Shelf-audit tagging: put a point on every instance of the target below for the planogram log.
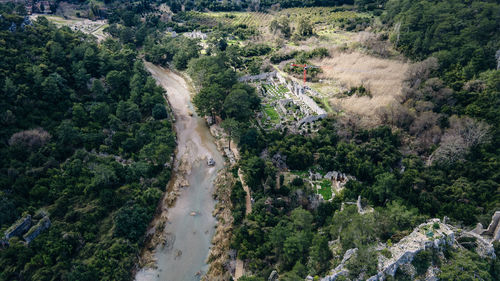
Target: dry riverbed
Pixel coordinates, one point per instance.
(181, 233)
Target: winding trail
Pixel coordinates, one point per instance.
(190, 225)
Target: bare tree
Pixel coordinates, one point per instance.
(425, 121)
(34, 138)
(475, 86)
(426, 131)
(347, 125)
(420, 71)
(396, 114)
(463, 134)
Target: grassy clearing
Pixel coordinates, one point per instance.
(272, 114)
(302, 174)
(326, 189)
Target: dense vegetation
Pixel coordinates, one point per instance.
(84, 136)
(464, 47)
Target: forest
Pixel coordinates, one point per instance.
(87, 138)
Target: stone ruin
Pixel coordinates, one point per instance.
(42, 225)
(196, 35)
(279, 161)
(24, 227)
(338, 180)
(493, 229)
(433, 234)
(361, 210)
(273, 276)
(19, 227)
(296, 95)
(258, 77)
(404, 251)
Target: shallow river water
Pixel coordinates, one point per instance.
(190, 225)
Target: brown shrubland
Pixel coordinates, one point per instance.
(383, 78)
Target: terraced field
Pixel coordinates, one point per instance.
(251, 19)
(322, 15)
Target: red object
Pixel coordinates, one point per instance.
(305, 70)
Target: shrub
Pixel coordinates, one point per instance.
(297, 181)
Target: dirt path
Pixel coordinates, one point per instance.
(190, 227)
(248, 199)
(239, 269)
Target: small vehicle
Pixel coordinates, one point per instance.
(211, 161)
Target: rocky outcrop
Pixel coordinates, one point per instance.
(339, 270)
(432, 234)
(20, 227)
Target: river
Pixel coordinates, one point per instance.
(190, 225)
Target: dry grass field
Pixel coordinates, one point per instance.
(383, 78)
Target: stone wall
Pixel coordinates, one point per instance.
(311, 118)
(20, 227)
(282, 104)
(258, 77)
(42, 225)
(493, 229)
